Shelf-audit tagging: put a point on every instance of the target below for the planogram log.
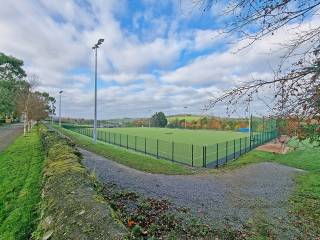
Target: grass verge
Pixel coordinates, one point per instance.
(128, 158)
(305, 201)
(21, 167)
(71, 207)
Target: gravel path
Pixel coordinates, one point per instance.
(8, 133)
(234, 196)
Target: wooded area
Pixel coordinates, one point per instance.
(19, 101)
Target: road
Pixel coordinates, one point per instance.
(8, 133)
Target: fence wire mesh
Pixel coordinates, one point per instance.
(191, 154)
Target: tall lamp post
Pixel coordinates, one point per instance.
(185, 118)
(60, 107)
(95, 48)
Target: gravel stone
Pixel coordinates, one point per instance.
(234, 197)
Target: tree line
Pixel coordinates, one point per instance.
(19, 101)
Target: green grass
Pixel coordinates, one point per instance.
(128, 158)
(21, 167)
(180, 145)
(181, 149)
(305, 201)
(197, 137)
(72, 206)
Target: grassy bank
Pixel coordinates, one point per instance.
(128, 158)
(72, 207)
(20, 183)
(305, 202)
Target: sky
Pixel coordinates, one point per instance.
(156, 55)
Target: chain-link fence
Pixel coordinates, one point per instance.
(190, 154)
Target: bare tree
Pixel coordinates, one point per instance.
(296, 82)
(32, 105)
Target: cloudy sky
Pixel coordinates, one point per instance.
(157, 55)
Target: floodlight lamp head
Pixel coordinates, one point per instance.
(60, 92)
(100, 41)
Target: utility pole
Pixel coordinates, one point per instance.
(95, 48)
(60, 107)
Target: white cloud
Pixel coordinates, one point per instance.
(207, 38)
(137, 66)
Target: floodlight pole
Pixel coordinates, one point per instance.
(60, 107)
(95, 48)
(185, 119)
(95, 99)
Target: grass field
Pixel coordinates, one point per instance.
(128, 158)
(305, 202)
(180, 145)
(20, 183)
(197, 137)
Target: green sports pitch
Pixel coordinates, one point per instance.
(181, 145)
(192, 147)
(196, 137)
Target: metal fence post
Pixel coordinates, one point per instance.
(192, 155)
(127, 141)
(157, 148)
(135, 143)
(245, 144)
(203, 156)
(172, 151)
(120, 140)
(234, 149)
(226, 151)
(145, 145)
(240, 146)
(217, 165)
(114, 138)
(105, 136)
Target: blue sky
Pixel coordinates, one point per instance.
(157, 55)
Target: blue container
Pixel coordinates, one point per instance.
(244, 129)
